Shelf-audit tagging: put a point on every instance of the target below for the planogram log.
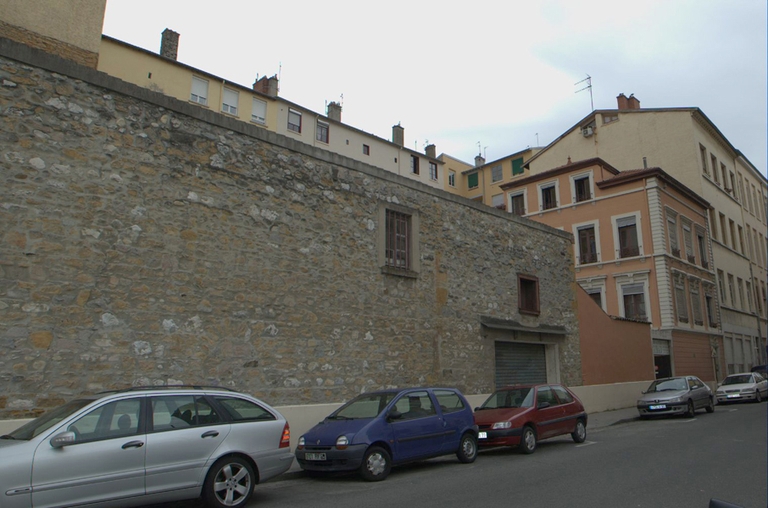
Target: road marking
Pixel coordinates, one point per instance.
(585, 443)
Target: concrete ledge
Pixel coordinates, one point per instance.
(599, 398)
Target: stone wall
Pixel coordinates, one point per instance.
(148, 241)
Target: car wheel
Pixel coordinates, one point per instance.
(691, 410)
(467, 452)
(758, 397)
(579, 434)
(376, 464)
(711, 406)
(528, 440)
(229, 483)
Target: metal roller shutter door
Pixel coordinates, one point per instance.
(520, 364)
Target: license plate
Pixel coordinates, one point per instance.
(482, 435)
(314, 456)
(659, 406)
(733, 396)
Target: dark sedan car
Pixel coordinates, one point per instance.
(523, 415)
(377, 430)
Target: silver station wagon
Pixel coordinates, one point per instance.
(145, 445)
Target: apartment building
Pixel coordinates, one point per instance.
(693, 151)
(261, 105)
(642, 252)
(483, 182)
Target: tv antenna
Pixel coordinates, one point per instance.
(588, 79)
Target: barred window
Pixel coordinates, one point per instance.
(398, 240)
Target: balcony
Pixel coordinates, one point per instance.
(628, 252)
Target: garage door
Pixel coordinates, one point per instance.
(520, 364)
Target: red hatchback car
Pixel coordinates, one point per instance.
(523, 415)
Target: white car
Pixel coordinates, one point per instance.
(145, 445)
(745, 386)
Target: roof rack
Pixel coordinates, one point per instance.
(170, 387)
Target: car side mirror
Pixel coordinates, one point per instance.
(476, 409)
(394, 415)
(543, 405)
(63, 439)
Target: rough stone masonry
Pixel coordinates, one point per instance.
(147, 241)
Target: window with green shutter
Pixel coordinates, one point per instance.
(472, 181)
(517, 167)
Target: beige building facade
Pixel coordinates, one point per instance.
(642, 252)
(483, 182)
(693, 151)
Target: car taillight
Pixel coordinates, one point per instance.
(285, 441)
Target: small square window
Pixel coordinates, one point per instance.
(366, 150)
(294, 120)
(528, 294)
(322, 131)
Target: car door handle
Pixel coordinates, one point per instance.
(210, 433)
(133, 444)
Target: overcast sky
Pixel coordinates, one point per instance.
(491, 76)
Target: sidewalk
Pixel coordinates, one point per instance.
(594, 422)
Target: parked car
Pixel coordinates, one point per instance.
(681, 395)
(760, 369)
(745, 386)
(375, 431)
(523, 415)
(145, 445)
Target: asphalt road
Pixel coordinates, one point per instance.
(677, 462)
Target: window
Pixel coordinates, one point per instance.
(548, 196)
(116, 419)
(741, 240)
(199, 91)
(398, 240)
(713, 223)
(545, 394)
(711, 312)
(449, 401)
(627, 230)
(704, 166)
(731, 290)
(740, 287)
(743, 199)
(497, 201)
(595, 288)
(496, 173)
(528, 294)
(674, 246)
(414, 165)
(582, 189)
(723, 230)
(472, 181)
(610, 117)
(432, 171)
(322, 131)
(517, 167)
(414, 405)
(688, 240)
(714, 169)
(721, 285)
(749, 296)
(681, 302)
(242, 410)
(734, 189)
(229, 101)
(452, 178)
(587, 245)
(366, 150)
(181, 411)
(517, 204)
(732, 229)
(562, 394)
(259, 111)
(633, 298)
(294, 120)
(696, 302)
(597, 297)
(724, 172)
(702, 243)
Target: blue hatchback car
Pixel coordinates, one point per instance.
(377, 430)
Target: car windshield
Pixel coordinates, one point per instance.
(46, 421)
(736, 380)
(363, 406)
(667, 385)
(509, 398)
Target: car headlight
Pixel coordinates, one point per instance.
(748, 390)
(676, 400)
(502, 425)
(301, 443)
(342, 442)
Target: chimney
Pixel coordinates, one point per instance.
(632, 102)
(622, 100)
(169, 45)
(398, 135)
(479, 160)
(334, 111)
(267, 86)
(431, 151)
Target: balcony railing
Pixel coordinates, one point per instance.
(628, 252)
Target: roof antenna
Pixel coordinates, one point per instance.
(588, 79)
